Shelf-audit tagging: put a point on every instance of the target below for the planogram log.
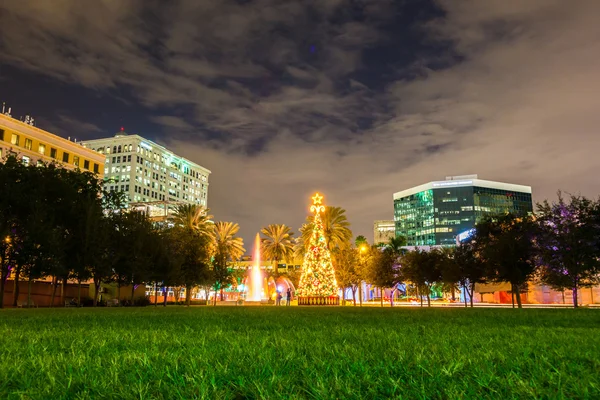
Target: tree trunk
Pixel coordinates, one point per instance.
(465, 295)
(392, 296)
(354, 288)
(54, 283)
(563, 295)
(472, 294)
(419, 295)
(29, 284)
(165, 296)
(62, 290)
(2, 281)
(188, 295)
(97, 289)
(16, 286)
(429, 296)
(518, 294)
(575, 302)
(512, 295)
(381, 296)
(155, 295)
(215, 299)
(119, 293)
(221, 293)
(360, 294)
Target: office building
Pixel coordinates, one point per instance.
(437, 212)
(34, 145)
(383, 231)
(152, 177)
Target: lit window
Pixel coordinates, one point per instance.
(76, 161)
(14, 139)
(28, 144)
(42, 149)
(26, 160)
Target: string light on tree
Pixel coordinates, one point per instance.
(318, 275)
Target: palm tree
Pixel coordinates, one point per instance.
(278, 244)
(226, 247)
(336, 227)
(194, 218)
(395, 245)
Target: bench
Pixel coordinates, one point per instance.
(112, 302)
(23, 304)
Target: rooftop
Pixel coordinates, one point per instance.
(462, 181)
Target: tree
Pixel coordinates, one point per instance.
(226, 247)
(360, 241)
(336, 229)
(383, 270)
(194, 218)
(347, 271)
(506, 245)
(568, 243)
(278, 243)
(424, 269)
(318, 275)
(462, 265)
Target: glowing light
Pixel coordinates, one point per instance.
(317, 206)
(318, 275)
(255, 277)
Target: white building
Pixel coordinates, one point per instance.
(150, 175)
(383, 231)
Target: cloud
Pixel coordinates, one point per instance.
(276, 97)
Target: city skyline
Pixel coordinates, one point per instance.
(356, 100)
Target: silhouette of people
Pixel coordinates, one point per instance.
(288, 297)
(279, 297)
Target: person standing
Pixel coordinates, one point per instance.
(279, 296)
(288, 297)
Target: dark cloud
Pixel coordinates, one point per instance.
(278, 99)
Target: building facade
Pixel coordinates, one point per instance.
(383, 231)
(34, 145)
(437, 212)
(151, 176)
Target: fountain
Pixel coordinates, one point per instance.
(255, 276)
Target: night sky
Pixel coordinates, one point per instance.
(356, 99)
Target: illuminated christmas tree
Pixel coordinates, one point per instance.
(318, 275)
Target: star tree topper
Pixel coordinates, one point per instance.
(317, 206)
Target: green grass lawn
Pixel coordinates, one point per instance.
(318, 353)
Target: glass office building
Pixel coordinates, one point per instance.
(436, 212)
